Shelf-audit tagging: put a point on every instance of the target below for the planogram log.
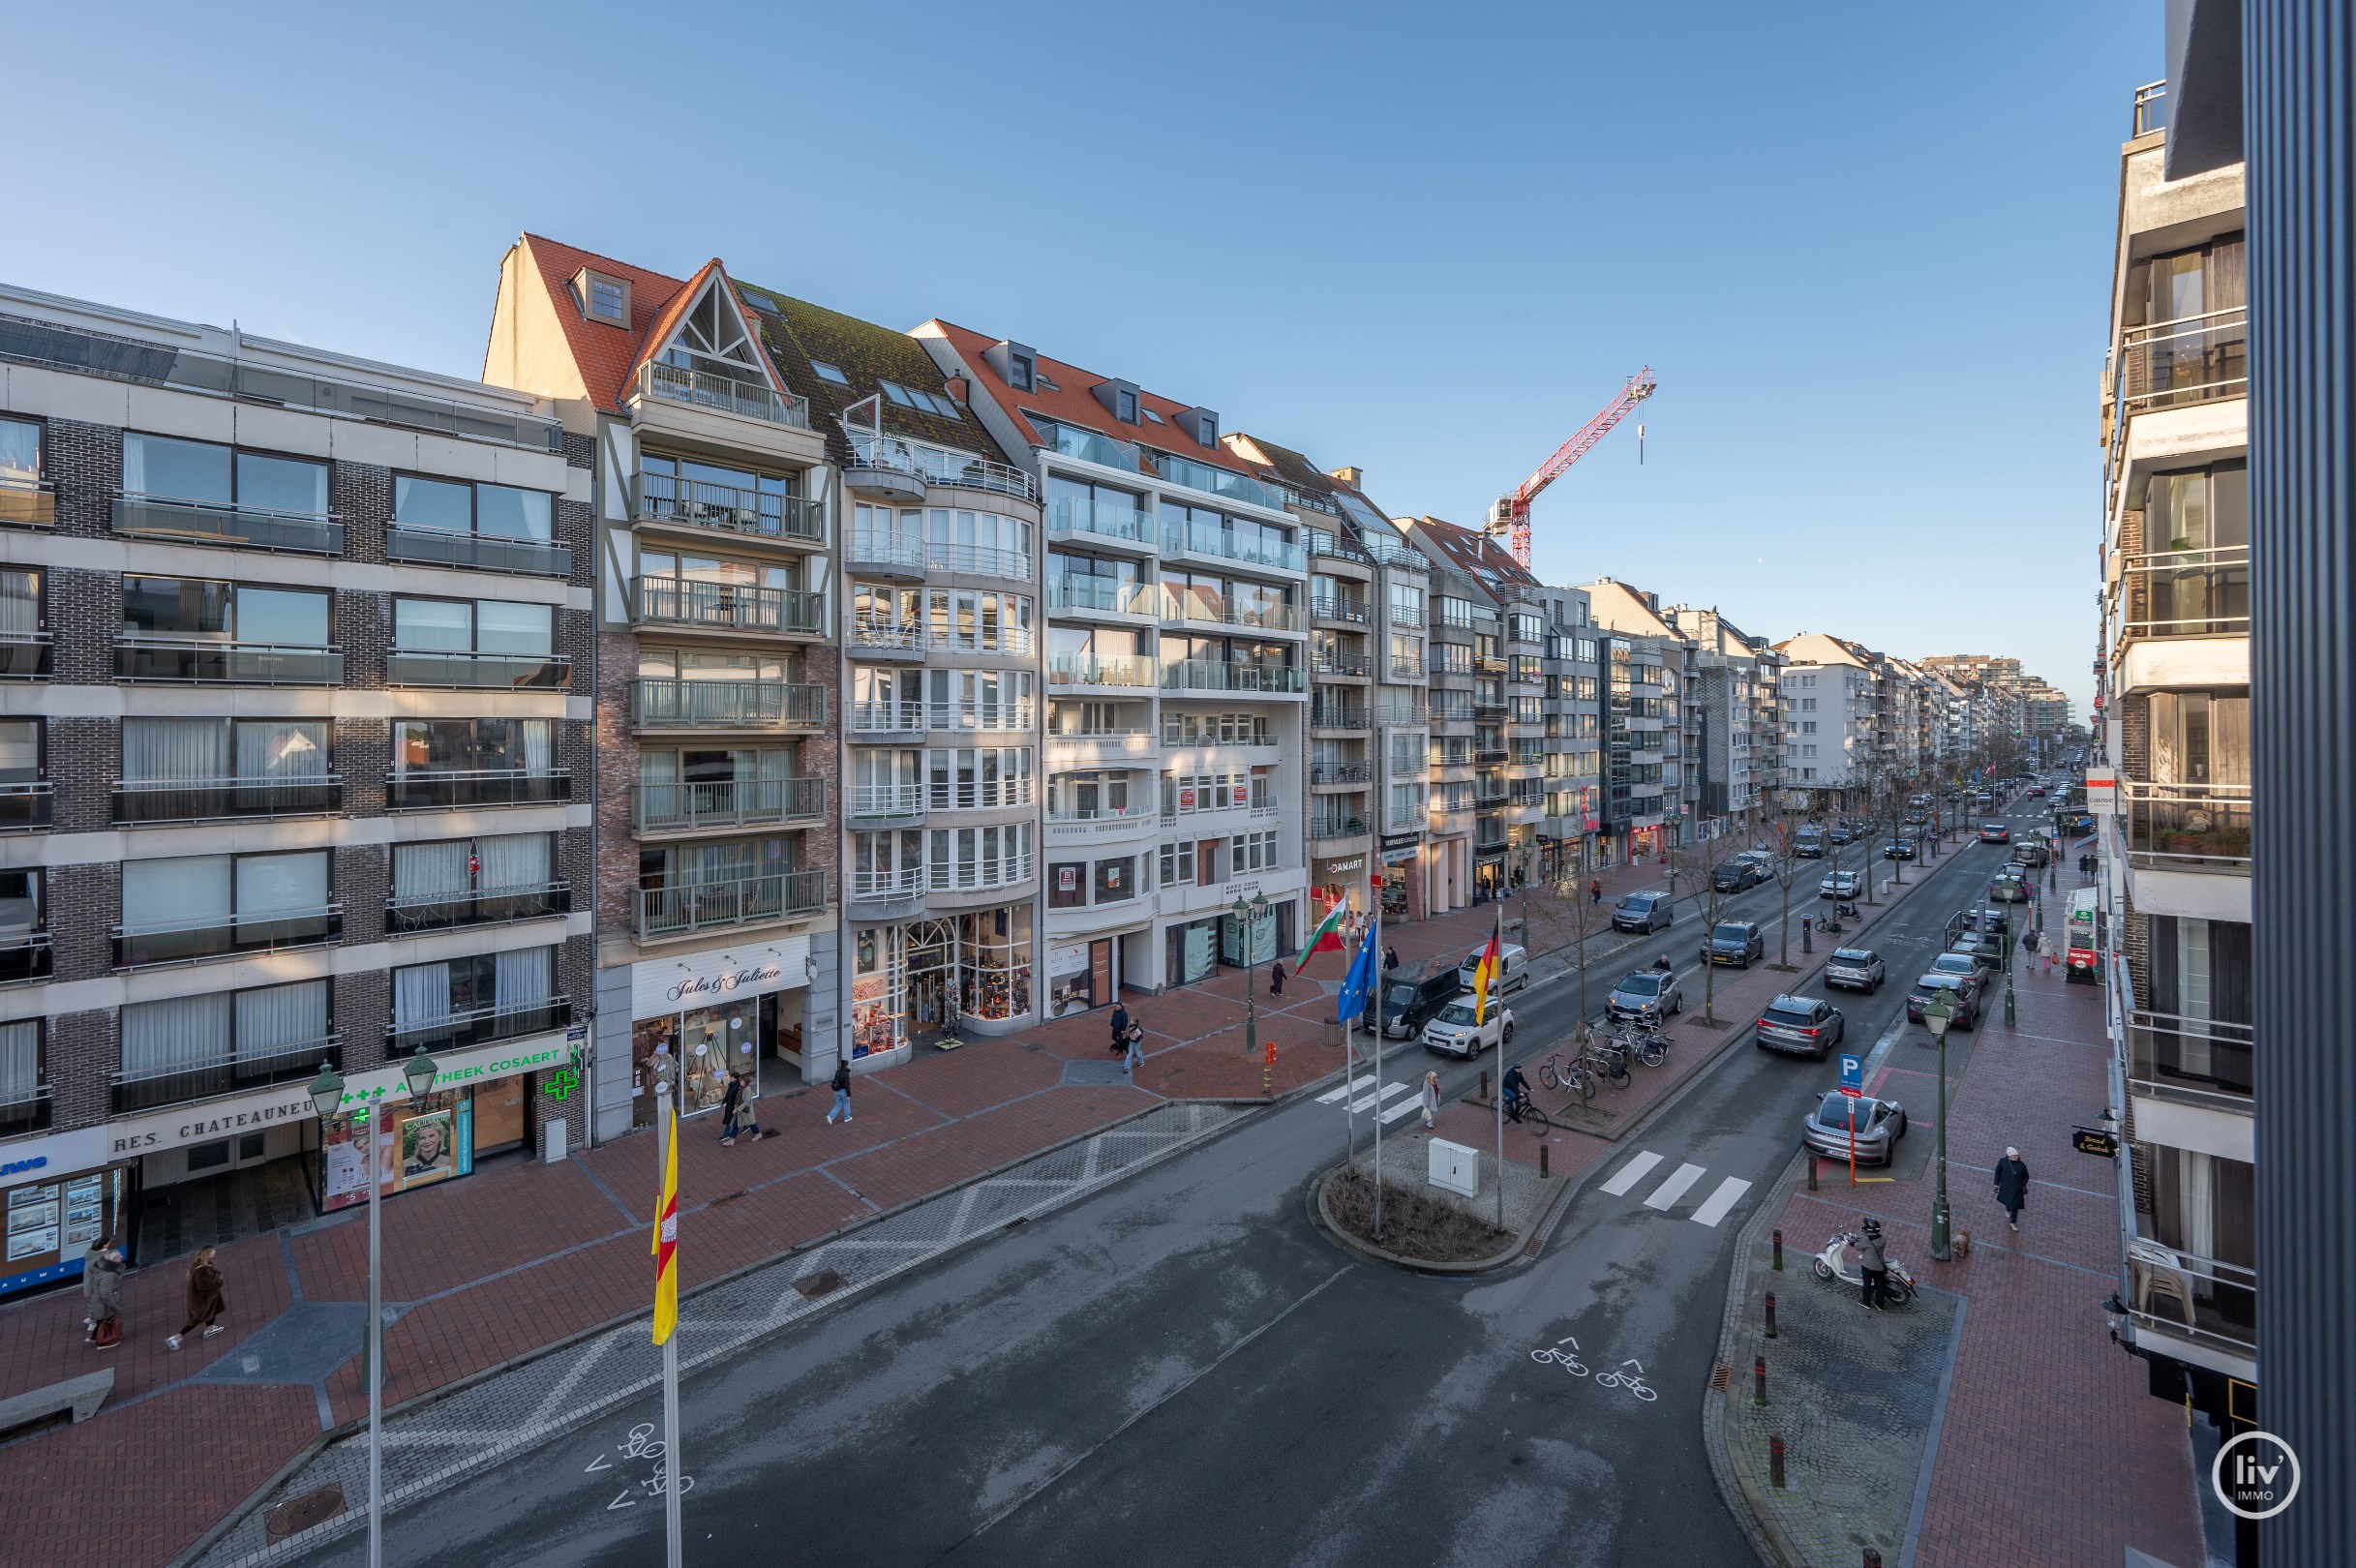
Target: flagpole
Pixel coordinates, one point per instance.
(1500, 940)
(1378, 1122)
(671, 1463)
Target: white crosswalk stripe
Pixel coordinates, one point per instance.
(1405, 1107)
(1673, 1188)
(1349, 1088)
(1386, 1092)
(1631, 1173)
(1715, 1206)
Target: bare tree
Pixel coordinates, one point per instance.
(1699, 859)
(1784, 844)
(1578, 918)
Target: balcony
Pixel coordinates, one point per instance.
(28, 503)
(2186, 827)
(1076, 442)
(205, 523)
(2182, 1295)
(1065, 520)
(718, 906)
(723, 393)
(2195, 1061)
(214, 799)
(149, 1091)
(767, 516)
(476, 552)
(1451, 820)
(1353, 611)
(874, 636)
(1326, 545)
(1207, 609)
(1093, 670)
(1220, 674)
(1390, 551)
(2191, 359)
(2151, 109)
(1339, 772)
(1224, 544)
(667, 702)
(873, 553)
(887, 886)
(961, 469)
(2183, 620)
(729, 606)
(1225, 483)
(1405, 712)
(407, 917)
(1105, 596)
(1406, 670)
(175, 940)
(1324, 716)
(191, 660)
(978, 560)
(26, 805)
(478, 672)
(886, 801)
(24, 1110)
(705, 805)
(1082, 826)
(1338, 826)
(24, 956)
(905, 716)
(430, 790)
(1353, 666)
(478, 1026)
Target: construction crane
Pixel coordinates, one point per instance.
(1510, 516)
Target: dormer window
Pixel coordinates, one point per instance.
(1206, 430)
(603, 298)
(1019, 372)
(1125, 407)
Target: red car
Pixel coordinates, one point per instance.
(1995, 833)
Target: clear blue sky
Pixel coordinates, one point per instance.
(1865, 246)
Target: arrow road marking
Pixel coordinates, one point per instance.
(601, 1463)
(1673, 1188)
(1571, 1340)
(1631, 1173)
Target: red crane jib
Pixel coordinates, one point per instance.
(1638, 388)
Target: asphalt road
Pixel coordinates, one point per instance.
(1181, 1369)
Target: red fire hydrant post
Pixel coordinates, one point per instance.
(1780, 1252)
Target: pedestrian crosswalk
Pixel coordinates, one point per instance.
(1398, 1100)
(1675, 1186)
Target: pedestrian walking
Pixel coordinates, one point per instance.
(739, 1117)
(1120, 1026)
(1276, 977)
(2011, 1185)
(1872, 1266)
(101, 1295)
(1134, 1044)
(1595, 890)
(729, 1104)
(842, 1090)
(204, 1300)
(1431, 1100)
(1390, 958)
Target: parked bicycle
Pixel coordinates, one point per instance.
(1648, 1046)
(1608, 1061)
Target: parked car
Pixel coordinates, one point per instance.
(1841, 1123)
(1916, 819)
(2037, 791)
(1412, 998)
(1839, 884)
(1842, 832)
(2009, 886)
(1995, 833)
(1734, 942)
(1513, 968)
(1961, 961)
(2032, 854)
(1643, 913)
(1454, 1033)
(1855, 969)
(1733, 876)
(1647, 996)
(1808, 844)
(1899, 848)
(1988, 945)
(1807, 1025)
(1962, 998)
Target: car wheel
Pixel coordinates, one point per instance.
(1509, 1031)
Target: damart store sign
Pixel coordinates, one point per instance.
(702, 980)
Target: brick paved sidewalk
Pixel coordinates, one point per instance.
(2050, 1451)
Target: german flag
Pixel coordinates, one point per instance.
(1485, 973)
(666, 1238)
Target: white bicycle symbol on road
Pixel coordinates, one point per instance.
(1568, 1360)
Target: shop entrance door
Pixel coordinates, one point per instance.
(931, 948)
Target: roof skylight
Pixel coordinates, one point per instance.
(827, 373)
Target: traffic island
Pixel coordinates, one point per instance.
(1431, 1229)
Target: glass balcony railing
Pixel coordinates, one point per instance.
(408, 916)
(1099, 670)
(477, 672)
(2185, 593)
(1211, 609)
(28, 503)
(1211, 480)
(147, 1090)
(196, 660)
(665, 702)
(735, 607)
(677, 910)
(212, 799)
(25, 955)
(1224, 544)
(27, 804)
(24, 1108)
(723, 393)
(482, 552)
(755, 514)
(1105, 596)
(2186, 827)
(1069, 515)
(431, 789)
(1074, 441)
(1222, 675)
(251, 528)
(179, 939)
(701, 805)
(1353, 611)
(478, 1026)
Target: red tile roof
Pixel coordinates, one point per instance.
(1474, 552)
(607, 355)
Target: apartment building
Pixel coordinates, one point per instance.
(1177, 658)
(1668, 717)
(1465, 734)
(716, 704)
(1730, 727)
(293, 677)
(1831, 697)
(1570, 832)
(2176, 695)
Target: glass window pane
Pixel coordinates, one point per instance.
(272, 884)
(514, 628)
(184, 470)
(432, 504)
(20, 751)
(19, 450)
(289, 617)
(175, 607)
(188, 890)
(514, 514)
(434, 626)
(282, 484)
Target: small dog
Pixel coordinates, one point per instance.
(1961, 1247)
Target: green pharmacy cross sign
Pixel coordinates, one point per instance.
(561, 1084)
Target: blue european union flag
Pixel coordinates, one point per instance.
(1359, 980)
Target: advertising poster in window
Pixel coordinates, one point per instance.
(1068, 989)
(343, 1156)
(428, 1151)
(32, 1222)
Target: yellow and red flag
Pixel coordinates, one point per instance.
(1485, 973)
(666, 1238)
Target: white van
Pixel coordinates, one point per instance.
(1513, 968)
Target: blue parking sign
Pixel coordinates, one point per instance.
(1853, 1074)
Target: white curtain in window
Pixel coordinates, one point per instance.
(520, 978)
(2196, 1207)
(427, 873)
(172, 1037)
(421, 994)
(2165, 741)
(19, 604)
(659, 767)
(539, 738)
(513, 862)
(176, 893)
(281, 884)
(276, 748)
(279, 1018)
(19, 1061)
(2229, 741)
(177, 749)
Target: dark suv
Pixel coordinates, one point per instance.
(1734, 942)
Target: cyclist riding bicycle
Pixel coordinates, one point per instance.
(1517, 1090)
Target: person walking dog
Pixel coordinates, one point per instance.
(2011, 1185)
(842, 1090)
(204, 1299)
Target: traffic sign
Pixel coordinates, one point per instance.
(1853, 1074)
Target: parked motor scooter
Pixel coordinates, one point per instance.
(1844, 910)
(1833, 1264)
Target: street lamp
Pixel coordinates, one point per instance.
(327, 1099)
(1246, 922)
(1939, 1015)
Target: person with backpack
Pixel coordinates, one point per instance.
(842, 1091)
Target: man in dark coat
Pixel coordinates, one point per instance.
(2011, 1185)
(1872, 1265)
(1276, 977)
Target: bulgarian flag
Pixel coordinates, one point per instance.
(1485, 973)
(1327, 937)
(666, 1239)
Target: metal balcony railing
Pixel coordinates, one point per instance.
(978, 560)
(147, 1090)
(1337, 773)
(2151, 109)
(209, 799)
(882, 633)
(2201, 1061)
(28, 503)
(903, 882)
(675, 910)
(483, 551)
(979, 796)
(2186, 827)
(408, 915)
(496, 671)
(199, 660)
(2203, 1299)
(478, 1026)
(1353, 611)
(177, 940)
(704, 389)
(1340, 664)
(1406, 668)
(887, 799)
(755, 514)
(1391, 551)
(2185, 593)
(1325, 543)
(28, 803)
(958, 469)
(1216, 675)
(702, 804)
(24, 1110)
(738, 607)
(226, 523)
(2191, 359)
(1335, 717)
(431, 789)
(667, 702)
(1093, 670)
(1336, 826)
(965, 876)
(874, 548)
